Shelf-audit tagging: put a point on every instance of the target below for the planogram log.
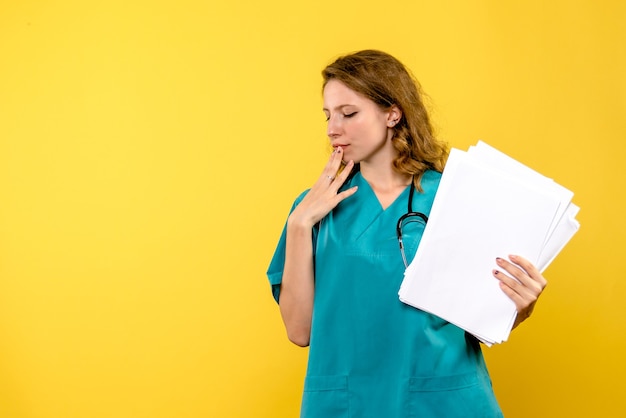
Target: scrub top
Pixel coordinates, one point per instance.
(371, 355)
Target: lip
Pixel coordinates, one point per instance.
(343, 146)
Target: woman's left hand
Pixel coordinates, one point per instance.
(525, 286)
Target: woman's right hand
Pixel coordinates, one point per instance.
(323, 196)
(297, 289)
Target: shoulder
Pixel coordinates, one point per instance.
(430, 181)
(432, 175)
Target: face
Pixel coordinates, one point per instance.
(358, 125)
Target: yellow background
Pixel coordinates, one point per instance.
(150, 150)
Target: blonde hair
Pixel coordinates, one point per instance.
(386, 81)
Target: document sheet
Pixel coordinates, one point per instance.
(488, 205)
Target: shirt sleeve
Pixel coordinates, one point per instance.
(277, 265)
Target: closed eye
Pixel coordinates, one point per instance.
(345, 115)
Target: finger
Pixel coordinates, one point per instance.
(508, 282)
(536, 282)
(512, 294)
(510, 268)
(518, 273)
(520, 295)
(343, 175)
(345, 194)
(332, 168)
(530, 269)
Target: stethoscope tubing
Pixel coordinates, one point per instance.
(409, 214)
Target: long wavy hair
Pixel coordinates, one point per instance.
(386, 81)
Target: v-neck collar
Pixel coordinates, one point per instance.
(364, 185)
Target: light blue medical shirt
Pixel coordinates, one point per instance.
(370, 354)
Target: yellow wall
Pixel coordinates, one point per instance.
(149, 152)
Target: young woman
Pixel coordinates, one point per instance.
(337, 269)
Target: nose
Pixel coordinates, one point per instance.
(333, 129)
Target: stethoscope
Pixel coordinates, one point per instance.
(409, 214)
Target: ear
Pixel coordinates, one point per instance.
(394, 114)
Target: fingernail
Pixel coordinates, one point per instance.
(496, 272)
(498, 260)
(339, 149)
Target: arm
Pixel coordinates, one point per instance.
(298, 283)
(525, 289)
(297, 288)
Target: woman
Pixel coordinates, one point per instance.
(337, 268)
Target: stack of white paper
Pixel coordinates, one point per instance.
(488, 205)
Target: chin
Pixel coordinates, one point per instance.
(347, 160)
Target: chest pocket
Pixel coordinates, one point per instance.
(383, 242)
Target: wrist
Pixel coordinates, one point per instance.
(298, 223)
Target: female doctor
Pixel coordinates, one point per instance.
(337, 268)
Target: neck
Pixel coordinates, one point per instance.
(384, 178)
(379, 172)
(387, 184)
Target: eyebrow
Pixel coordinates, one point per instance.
(339, 107)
